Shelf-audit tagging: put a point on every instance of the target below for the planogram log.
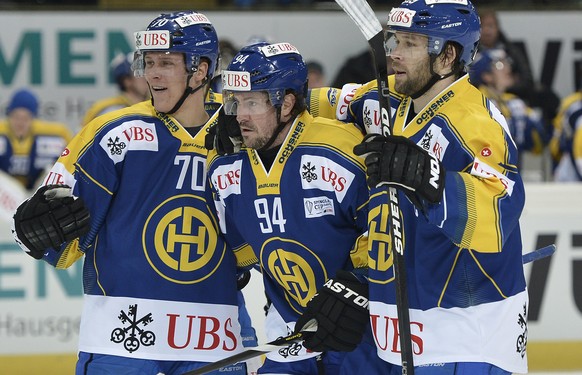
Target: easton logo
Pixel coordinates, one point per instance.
(347, 293)
(132, 335)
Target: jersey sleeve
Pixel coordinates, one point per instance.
(483, 201)
(244, 254)
(93, 176)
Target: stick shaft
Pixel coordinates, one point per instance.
(251, 353)
(363, 16)
(538, 254)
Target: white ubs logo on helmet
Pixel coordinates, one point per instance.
(278, 49)
(238, 81)
(191, 19)
(154, 39)
(401, 17)
(462, 2)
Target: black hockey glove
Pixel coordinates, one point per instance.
(224, 135)
(48, 219)
(398, 161)
(340, 309)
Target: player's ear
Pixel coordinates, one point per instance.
(202, 70)
(287, 106)
(446, 59)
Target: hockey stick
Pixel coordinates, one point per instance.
(282, 342)
(538, 254)
(251, 353)
(366, 20)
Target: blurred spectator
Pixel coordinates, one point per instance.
(491, 72)
(315, 74)
(356, 69)
(29, 145)
(492, 37)
(227, 51)
(566, 144)
(131, 89)
(534, 93)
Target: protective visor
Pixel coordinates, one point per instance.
(407, 45)
(238, 98)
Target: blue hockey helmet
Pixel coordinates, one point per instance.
(120, 68)
(441, 21)
(273, 68)
(121, 65)
(187, 32)
(485, 62)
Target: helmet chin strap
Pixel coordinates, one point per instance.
(188, 91)
(280, 127)
(433, 79)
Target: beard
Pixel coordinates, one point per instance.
(415, 80)
(257, 143)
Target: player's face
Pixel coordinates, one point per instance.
(410, 61)
(165, 73)
(257, 118)
(20, 121)
(502, 76)
(489, 30)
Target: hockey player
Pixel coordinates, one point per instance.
(159, 282)
(491, 73)
(567, 138)
(293, 201)
(29, 145)
(453, 160)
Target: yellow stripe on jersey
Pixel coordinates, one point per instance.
(70, 255)
(245, 256)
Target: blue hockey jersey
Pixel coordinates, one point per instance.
(159, 281)
(303, 219)
(466, 284)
